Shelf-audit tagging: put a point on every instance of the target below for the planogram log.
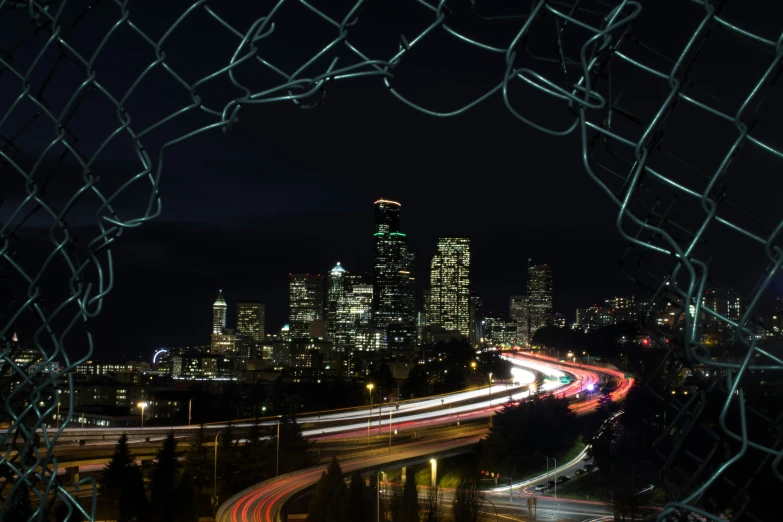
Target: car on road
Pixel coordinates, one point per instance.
(550, 484)
(540, 487)
(563, 479)
(580, 471)
(589, 467)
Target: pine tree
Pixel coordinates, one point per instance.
(356, 510)
(114, 472)
(252, 464)
(226, 459)
(326, 501)
(410, 498)
(19, 509)
(124, 482)
(294, 448)
(164, 479)
(197, 460)
(185, 505)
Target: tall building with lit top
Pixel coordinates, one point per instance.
(393, 279)
(305, 303)
(450, 285)
(539, 295)
(335, 298)
(219, 314)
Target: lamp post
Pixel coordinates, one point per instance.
(277, 459)
(141, 405)
(58, 415)
(378, 496)
(434, 471)
(369, 419)
(390, 427)
(490, 389)
(190, 410)
(577, 404)
(214, 475)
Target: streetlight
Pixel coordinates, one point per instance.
(58, 415)
(216, 448)
(190, 410)
(490, 389)
(369, 419)
(378, 496)
(142, 405)
(577, 404)
(434, 471)
(277, 459)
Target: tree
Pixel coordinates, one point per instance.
(294, 448)
(327, 498)
(19, 509)
(410, 497)
(121, 459)
(520, 431)
(124, 482)
(185, 500)
(227, 461)
(432, 510)
(468, 503)
(163, 481)
(355, 508)
(198, 461)
(253, 462)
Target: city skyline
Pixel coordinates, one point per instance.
(495, 301)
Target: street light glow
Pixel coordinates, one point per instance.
(142, 405)
(370, 386)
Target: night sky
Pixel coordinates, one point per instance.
(290, 190)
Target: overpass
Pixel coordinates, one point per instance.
(265, 502)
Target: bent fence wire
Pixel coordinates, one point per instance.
(670, 160)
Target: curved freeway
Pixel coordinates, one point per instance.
(264, 502)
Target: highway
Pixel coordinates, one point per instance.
(263, 502)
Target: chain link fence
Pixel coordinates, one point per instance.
(684, 157)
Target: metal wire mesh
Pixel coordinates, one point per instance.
(629, 91)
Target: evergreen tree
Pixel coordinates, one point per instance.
(124, 482)
(294, 448)
(114, 472)
(185, 507)
(410, 498)
(327, 499)
(165, 471)
(253, 462)
(198, 461)
(227, 469)
(19, 509)
(355, 507)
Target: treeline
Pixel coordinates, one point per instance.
(400, 501)
(521, 432)
(179, 482)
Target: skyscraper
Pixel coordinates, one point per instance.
(250, 321)
(539, 294)
(517, 311)
(335, 297)
(393, 280)
(305, 303)
(450, 285)
(476, 313)
(219, 314)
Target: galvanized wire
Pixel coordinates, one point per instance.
(596, 53)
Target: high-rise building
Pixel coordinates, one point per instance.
(219, 314)
(539, 295)
(393, 279)
(517, 311)
(450, 285)
(475, 313)
(305, 303)
(335, 298)
(250, 321)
